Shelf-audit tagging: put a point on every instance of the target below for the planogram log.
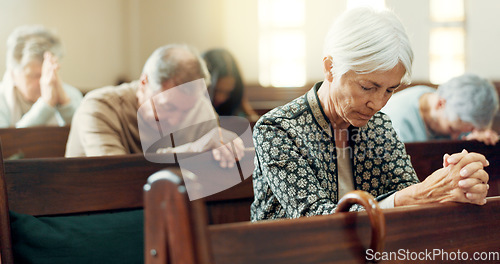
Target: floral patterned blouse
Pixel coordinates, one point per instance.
(296, 166)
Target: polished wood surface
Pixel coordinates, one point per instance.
(342, 238)
(176, 232)
(53, 186)
(449, 227)
(34, 142)
(377, 220)
(62, 186)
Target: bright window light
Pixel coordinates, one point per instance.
(282, 43)
(376, 4)
(447, 10)
(447, 52)
(447, 40)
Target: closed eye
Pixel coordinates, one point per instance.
(366, 88)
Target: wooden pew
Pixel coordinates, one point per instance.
(427, 157)
(34, 142)
(185, 237)
(68, 186)
(176, 229)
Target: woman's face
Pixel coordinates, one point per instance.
(27, 80)
(223, 89)
(357, 97)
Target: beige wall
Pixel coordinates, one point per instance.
(106, 40)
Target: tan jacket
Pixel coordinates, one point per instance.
(106, 123)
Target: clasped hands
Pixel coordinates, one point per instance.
(462, 179)
(51, 88)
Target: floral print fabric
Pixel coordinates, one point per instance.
(295, 165)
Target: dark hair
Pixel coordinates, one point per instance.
(220, 64)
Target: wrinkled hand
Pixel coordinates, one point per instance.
(226, 146)
(51, 88)
(488, 136)
(462, 179)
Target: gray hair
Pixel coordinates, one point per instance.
(178, 62)
(365, 40)
(29, 43)
(471, 98)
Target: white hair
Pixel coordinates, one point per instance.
(366, 40)
(28, 43)
(471, 98)
(178, 62)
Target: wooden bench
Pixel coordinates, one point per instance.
(68, 186)
(427, 157)
(185, 237)
(34, 142)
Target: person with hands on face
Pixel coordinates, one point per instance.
(32, 91)
(334, 139)
(168, 99)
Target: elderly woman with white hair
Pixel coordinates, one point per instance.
(467, 103)
(332, 140)
(32, 92)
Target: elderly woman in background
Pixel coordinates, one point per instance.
(226, 89)
(467, 103)
(332, 140)
(32, 92)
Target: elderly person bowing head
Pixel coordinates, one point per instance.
(466, 103)
(332, 140)
(32, 92)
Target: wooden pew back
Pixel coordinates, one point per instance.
(177, 231)
(343, 238)
(34, 142)
(62, 186)
(233, 205)
(57, 186)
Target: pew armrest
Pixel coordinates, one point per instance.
(375, 214)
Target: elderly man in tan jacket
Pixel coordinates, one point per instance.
(168, 98)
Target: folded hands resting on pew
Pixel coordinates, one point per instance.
(225, 145)
(462, 179)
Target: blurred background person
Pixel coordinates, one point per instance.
(226, 89)
(32, 92)
(467, 103)
(120, 120)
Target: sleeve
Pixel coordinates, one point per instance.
(397, 164)
(99, 133)
(388, 202)
(286, 167)
(38, 115)
(65, 113)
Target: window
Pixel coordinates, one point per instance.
(282, 43)
(377, 4)
(447, 40)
